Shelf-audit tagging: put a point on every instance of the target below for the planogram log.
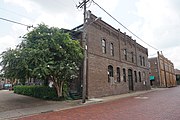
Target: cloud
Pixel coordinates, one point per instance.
(55, 6)
(158, 24)
(28, 5)
(173, 55)
(56, 13)
(59, 13)
(155, 21)
(53, 13)
(59, 20)
(7, 42)
(107, 5)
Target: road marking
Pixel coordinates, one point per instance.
(141, 98)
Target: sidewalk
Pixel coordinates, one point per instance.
(62, 105)
(114, 97)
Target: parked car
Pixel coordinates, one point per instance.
(8, 86)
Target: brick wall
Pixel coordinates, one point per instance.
(154, 71)
(98, 62)
(163, 70)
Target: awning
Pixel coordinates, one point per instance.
(151, 77)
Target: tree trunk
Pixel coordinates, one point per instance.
(59, 88)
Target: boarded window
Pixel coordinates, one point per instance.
(125, 54)
(103, 42)
(112, 49)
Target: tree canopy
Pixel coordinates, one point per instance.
(44, 53)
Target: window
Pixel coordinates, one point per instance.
(143, 59)
(135, 76)
(139, 76)
(112, 49)
(132, 57)
(103, 42)
(125, 54)
(118, 74)
(140, 58)
(144, 76)
(124, 74)
(110, 72)
(149, 64)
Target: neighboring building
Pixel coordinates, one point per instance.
(116, 63)
(161, 72)
(1, 83)
(177, 73)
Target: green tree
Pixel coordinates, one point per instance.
(13, 66)
(9, 63)
(45, 53)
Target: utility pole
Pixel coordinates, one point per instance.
(84, 43)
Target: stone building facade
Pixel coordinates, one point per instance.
(116, 63)
(163, 71)
(177, 73)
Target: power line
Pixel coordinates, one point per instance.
(15, 13)
(28, 26)
(123, 25)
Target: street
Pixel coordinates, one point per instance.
(156, 105)
(10, 101)
(14, 105)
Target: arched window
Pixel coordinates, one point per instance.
(110, 72)
(118, 75)
(124, 74)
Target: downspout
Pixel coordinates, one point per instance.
(159, 69)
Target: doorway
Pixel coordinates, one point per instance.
(130, 79)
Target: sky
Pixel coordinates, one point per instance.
(157, 22)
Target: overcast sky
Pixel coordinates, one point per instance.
(157, 22)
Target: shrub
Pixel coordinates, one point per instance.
(43, 92)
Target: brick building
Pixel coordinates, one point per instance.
(161, 72)
(177, 73)
(116, 63)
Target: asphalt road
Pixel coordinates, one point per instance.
(157, 105)
(14, 106)
(10, 101)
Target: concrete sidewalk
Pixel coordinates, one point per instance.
(61, 105)
(114, 97)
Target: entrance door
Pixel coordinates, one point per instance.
(130, 79)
